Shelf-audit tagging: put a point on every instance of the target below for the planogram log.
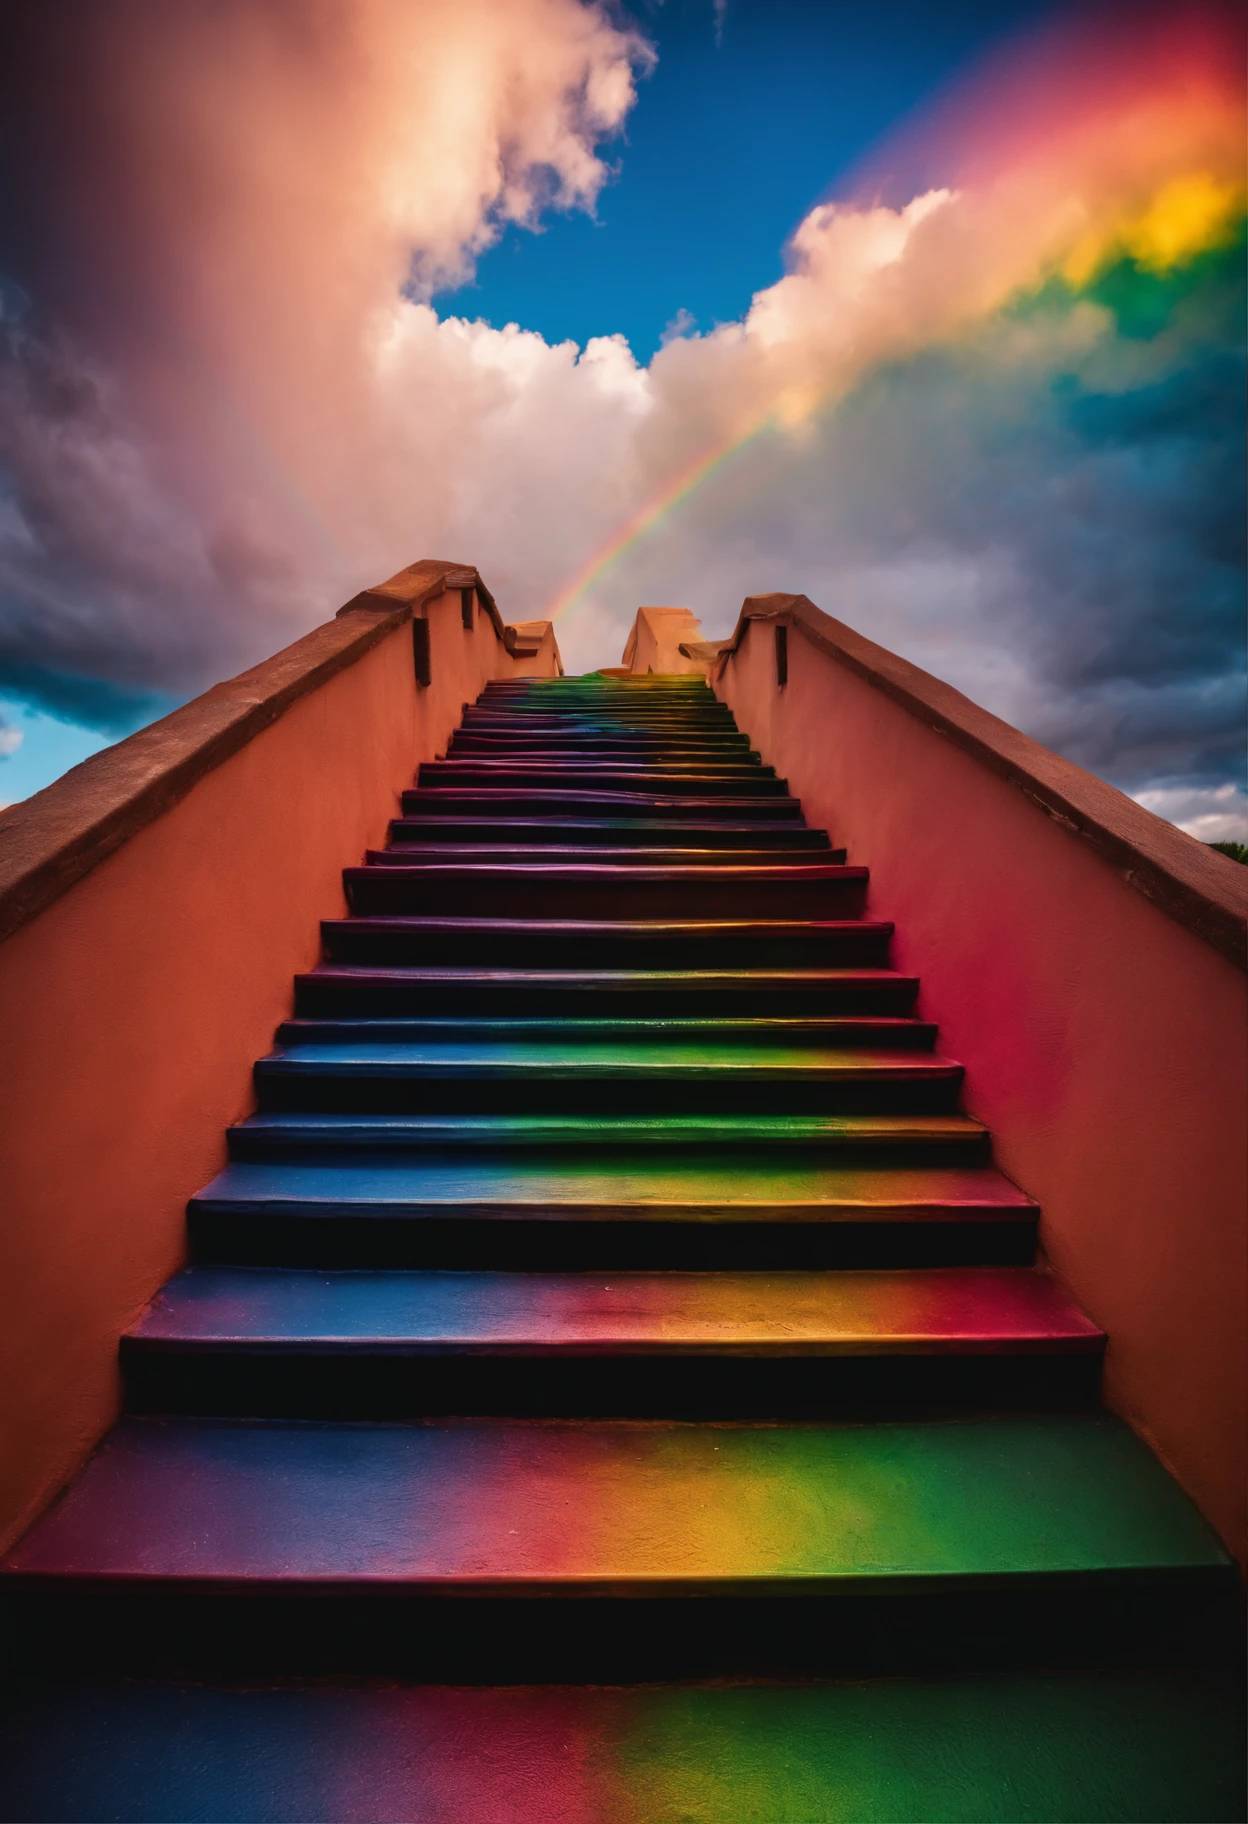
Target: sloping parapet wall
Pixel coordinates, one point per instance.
(656, 641)
(154, 906)
(1086, 962)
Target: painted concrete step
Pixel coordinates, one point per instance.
(838, 1031)
(298, 1343)
(630, 750)
(611, 943)
(957, 1137)
(1067, 1521)
(337, 990)
(569, 737)
(653, 782)
(459, 1076)
(960, 1311)
(539, 1192)
(1103, 1747)
(506, 801)
(618, 832)
(517, 851)
(611, 890)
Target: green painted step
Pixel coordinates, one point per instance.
(959, 1136)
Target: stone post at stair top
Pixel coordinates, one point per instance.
(666, 641)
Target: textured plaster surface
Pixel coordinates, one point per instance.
(134, 1005)
(1105, 1045)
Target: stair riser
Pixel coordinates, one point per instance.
(153, 1627)
(621, 833)
(593, 800)
(914, 1035)
(392, 892)
(354, 941)
(318, 998)
(279, 1090)
(491, 1239)
(358, 1384)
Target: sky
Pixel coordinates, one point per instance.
(934, 314)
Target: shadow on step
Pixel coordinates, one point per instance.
(977, 1624)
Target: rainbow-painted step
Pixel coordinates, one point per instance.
(602, 943)
(619, 832)
(341, 1344)
(425, 854)
(610, 890)
(590, 799)
(461, 1075)
(1020, 1520)
(534, 1192)
(1018, 1748)
(835, 1031)
(335, 989)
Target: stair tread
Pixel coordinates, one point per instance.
(638, 928)
(962, 1310)
(783, 1028)
(550, 855)
(650, 1187)
(622, 980)
(1106, 1745)
(430, 798)
(557, 1058)
(724, 876)
(619, 1508)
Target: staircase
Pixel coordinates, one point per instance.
(610, 1290)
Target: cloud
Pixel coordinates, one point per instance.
(210, 215)
(994, 422)
(10, 737)
(1213, 814)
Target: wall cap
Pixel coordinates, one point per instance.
(50, 840)
(1200, 889)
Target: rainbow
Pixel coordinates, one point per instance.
(708, 462)
(1166, 113)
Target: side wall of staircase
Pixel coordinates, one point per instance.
(1086, 962)
(154, 905)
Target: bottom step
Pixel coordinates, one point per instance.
(660, 1549)
(1059, 1748)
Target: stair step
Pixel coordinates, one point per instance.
(611, 943)
(618, 832)
(735, 783)
(335, 989)
(954, 1134)
(835, 1030)
(519, 853)
(289, 1343)
(1068, 1517)
(1066, 1747)
(542, 1192)
(556, 801)
(460, 1076)
(609, 889)
(965, 1310)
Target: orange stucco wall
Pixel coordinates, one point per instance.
(1105, 1045)
(134, 1006)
